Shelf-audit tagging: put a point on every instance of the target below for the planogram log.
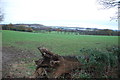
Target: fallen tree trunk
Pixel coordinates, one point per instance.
(60, 65)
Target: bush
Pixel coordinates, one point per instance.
(98, 63)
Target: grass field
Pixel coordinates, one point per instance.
(20, 48)
(64, 44)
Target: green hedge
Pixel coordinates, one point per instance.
(99, 64)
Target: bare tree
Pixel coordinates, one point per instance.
(107, 4)
(1, 15)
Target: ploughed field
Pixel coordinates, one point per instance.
(20, 48)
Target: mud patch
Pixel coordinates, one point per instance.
(22, 69)
(13, 65)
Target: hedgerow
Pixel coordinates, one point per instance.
(98, 63)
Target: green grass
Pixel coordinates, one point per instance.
(64, 44)
(0, 38)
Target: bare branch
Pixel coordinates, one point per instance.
(1, 15)
(107, 4)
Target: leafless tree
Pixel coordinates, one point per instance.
(1, 15)
(107, 4)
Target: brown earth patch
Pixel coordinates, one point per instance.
(12, 64)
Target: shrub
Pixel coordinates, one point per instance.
(98, 63)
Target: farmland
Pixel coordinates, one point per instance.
(59, 43)
(25, 43)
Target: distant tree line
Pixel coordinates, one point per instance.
(90, 32)
(17, 28)
(44, 29)
(107, 32)
(101, 32)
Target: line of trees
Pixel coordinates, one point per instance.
(93, 32)
(61, 30)
(79, 32)
(17, 28)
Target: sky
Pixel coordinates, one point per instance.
(71, 13)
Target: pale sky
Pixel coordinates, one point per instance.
(72, 13)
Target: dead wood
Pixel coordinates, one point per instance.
(60, 65)
(48, 54)
(40, 73)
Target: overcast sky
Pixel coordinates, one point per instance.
(72, 13)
